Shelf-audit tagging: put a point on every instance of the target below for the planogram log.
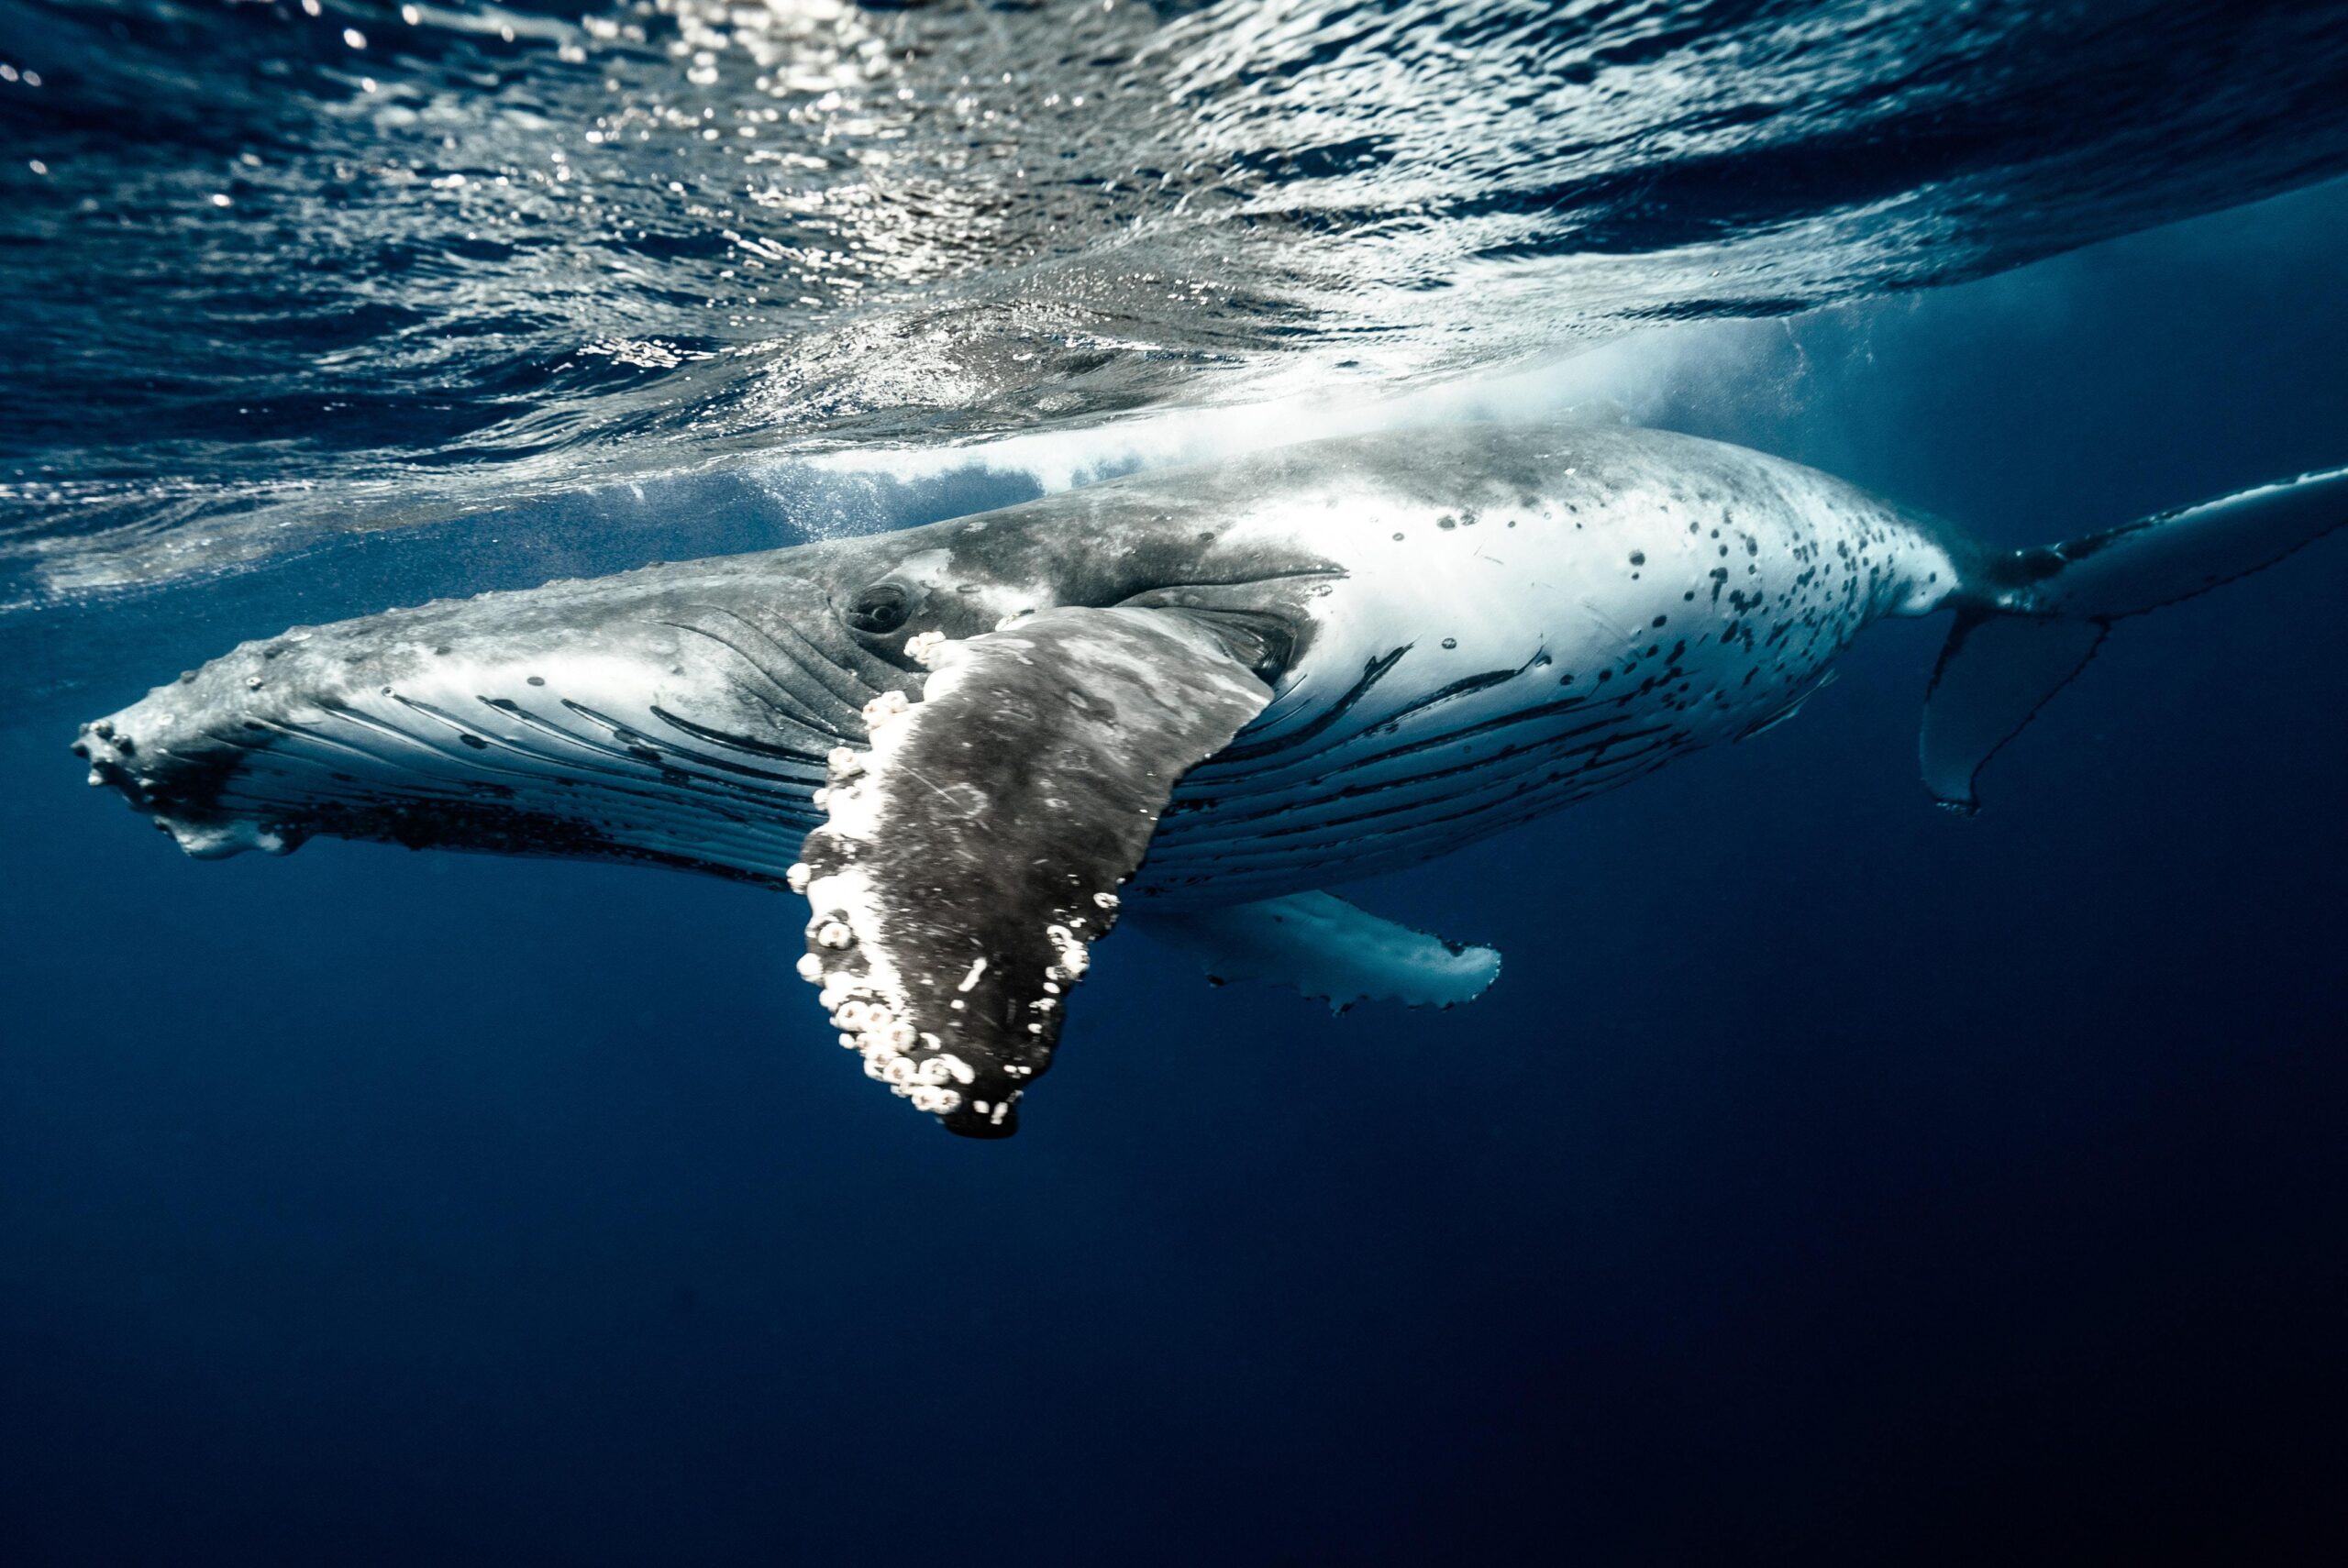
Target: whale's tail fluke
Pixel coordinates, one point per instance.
(2037, 616)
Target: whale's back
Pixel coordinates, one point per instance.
(1531, 617)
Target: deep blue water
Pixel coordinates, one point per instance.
(1826, 1179)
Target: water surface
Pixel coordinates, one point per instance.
(1826, 1179)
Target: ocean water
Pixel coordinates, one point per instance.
(1826, 1179)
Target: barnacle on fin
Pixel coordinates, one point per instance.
(957, 887)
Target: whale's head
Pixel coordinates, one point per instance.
(679, 714)
(683, 714)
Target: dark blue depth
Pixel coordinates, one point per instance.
(1826, 1179)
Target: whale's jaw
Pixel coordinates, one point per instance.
(668, 716)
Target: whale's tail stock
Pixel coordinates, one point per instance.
(2034, 618)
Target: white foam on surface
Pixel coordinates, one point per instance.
(1630, 379)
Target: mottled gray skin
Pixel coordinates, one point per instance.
(972, 745)
(680, 713)
(1284, 671)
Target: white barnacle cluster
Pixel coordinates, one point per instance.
(867, 1006)
(922, 647)
(1073, 958)
(856, 796)
(876, 1028)
(846, 958)
(880, 1034)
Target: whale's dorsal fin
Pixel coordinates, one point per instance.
(975, 852)
(1325, 947)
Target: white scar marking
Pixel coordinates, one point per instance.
(977, 968)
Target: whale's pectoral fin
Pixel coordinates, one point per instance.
(1325, 948)
(974, 852)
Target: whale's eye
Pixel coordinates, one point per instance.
(879, 608)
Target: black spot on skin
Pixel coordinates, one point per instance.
(1638, 557)
(536, 680)
(1398, 539)
(1451, 642)
(1659, 620)
(1605, 675)
(474, 741)
(1447, 521)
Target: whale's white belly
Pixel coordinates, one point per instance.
(1485, 663)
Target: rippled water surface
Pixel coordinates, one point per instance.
(1827, 1179)
(289, 269)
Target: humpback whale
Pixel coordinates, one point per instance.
(1195, 699)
